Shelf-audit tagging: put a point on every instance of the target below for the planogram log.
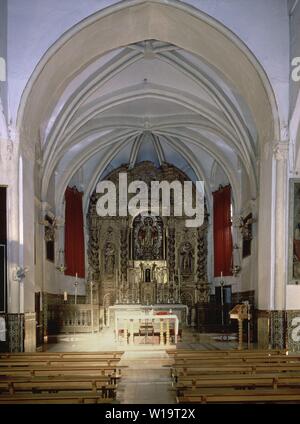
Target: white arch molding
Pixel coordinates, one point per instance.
(134, 21)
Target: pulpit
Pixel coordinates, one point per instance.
(240, 312)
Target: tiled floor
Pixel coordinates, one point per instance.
(146, 380)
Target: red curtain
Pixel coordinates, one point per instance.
(74, 234)
(222, 232)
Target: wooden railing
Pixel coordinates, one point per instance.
(70, 318)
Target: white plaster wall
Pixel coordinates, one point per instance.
(3, 51)
(32, 29)
(57, 283)
(293, 297)
(294, 52)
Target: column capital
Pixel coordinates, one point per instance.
(281, 150)
(236, 220)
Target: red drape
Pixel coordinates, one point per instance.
(297, 248)
(74, 234)
(222, 232)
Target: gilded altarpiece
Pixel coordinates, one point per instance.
(147, 259)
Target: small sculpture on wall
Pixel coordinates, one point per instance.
(109, 257)
(187, 256)
(148, 237)
(148, 233)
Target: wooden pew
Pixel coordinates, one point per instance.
(64, 355)
(223, 353)
(235, 361)
(93, 371)
(54, 398)
(241, 396)
(236, 381)
(56, 362)
(89, 384)
(239, 377)
(193, 371)
(68, 378)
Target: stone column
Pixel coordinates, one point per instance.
(281, 202)
(266, 229)
(278, 321)
(28, 247)
(271, 236)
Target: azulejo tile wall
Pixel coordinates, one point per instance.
(293, 330)
(285, 330)
(15, 332)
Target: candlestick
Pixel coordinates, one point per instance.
(75, 285)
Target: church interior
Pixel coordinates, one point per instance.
(143, 308)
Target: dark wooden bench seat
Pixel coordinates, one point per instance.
(56, 362)
(188, 370)
(54, 398)
(237, 360)
(63, 355)
(90, 385)
(240, 396)
(59, 378)
(238, 381)
(93, 371)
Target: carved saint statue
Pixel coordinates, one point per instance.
(109, 258)
(154, 266)
(186, 258)
(147, 233)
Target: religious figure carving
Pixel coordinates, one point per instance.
(109, 258)
(147, 234)
(148, 237)
(154, 266)
(186, 258)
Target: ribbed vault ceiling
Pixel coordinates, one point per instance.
(147, 101)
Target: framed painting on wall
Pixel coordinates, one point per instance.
(294, 233)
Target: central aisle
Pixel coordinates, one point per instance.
(146, 380)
